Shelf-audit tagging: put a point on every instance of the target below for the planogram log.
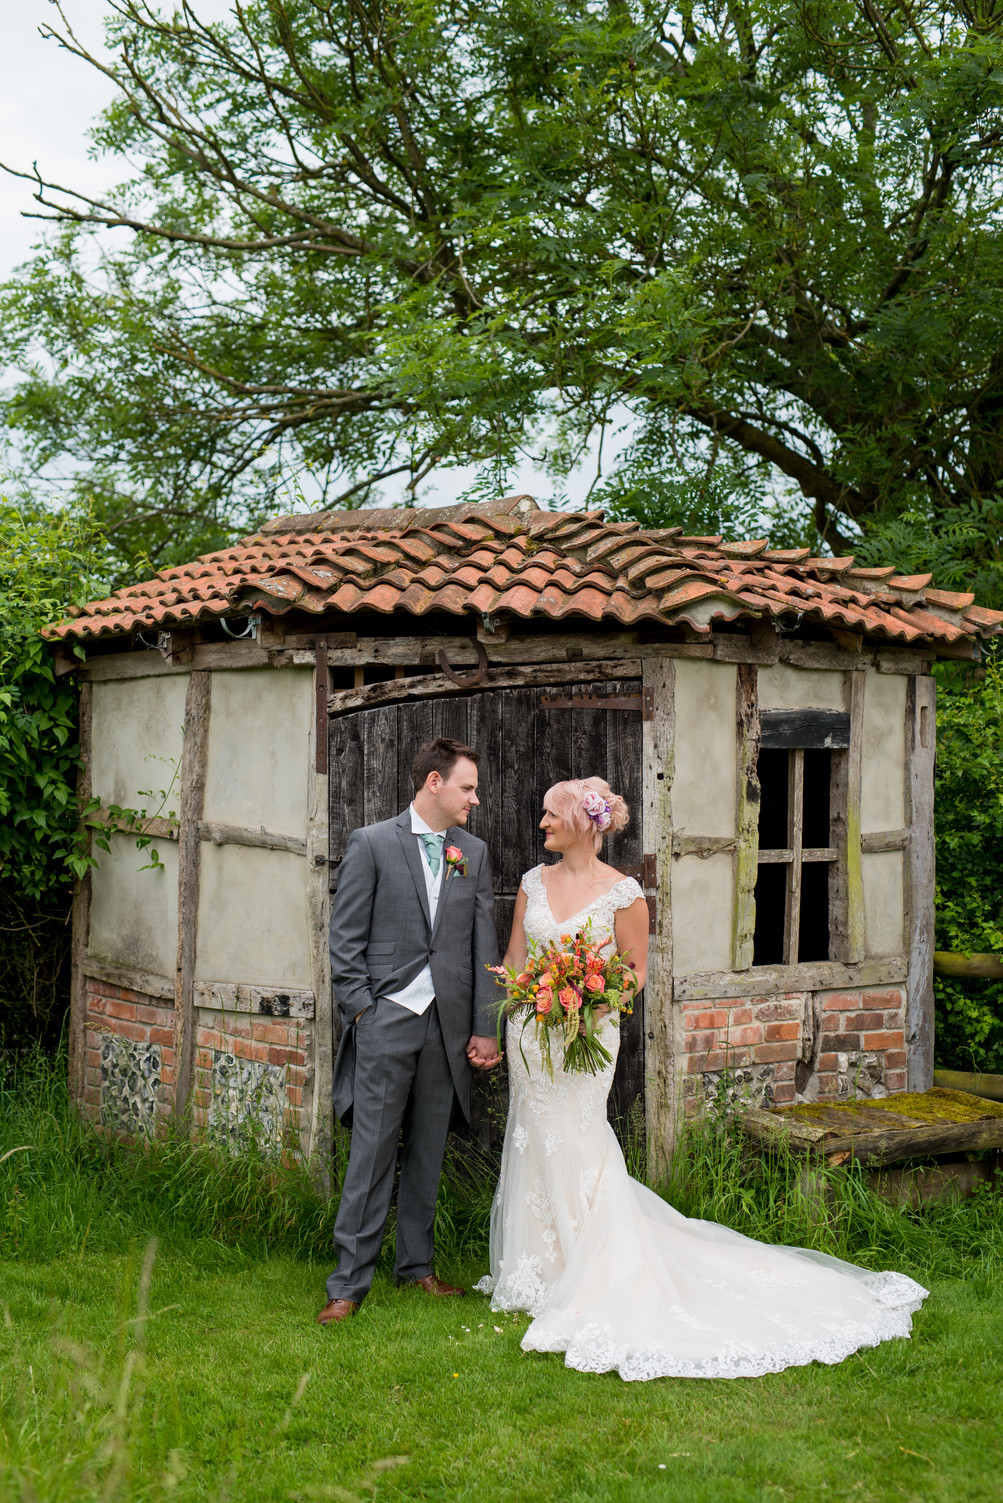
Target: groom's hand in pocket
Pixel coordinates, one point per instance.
(482, 1051)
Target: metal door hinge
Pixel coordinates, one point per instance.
(644, 701)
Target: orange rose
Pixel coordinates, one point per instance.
(595, 983)
(569, 998)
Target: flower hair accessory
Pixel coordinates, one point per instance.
(455, 859)
(597, 809)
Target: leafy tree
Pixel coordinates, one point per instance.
(369, 237)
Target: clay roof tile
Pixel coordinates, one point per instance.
(744, 550)
(514, 557)
(954, 600)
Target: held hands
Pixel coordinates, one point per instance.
(482, 1051)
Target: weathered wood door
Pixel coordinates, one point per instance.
(525, 746)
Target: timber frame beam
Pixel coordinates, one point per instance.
(194, 760)
(346, 650)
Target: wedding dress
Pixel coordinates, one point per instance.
(613, 1276)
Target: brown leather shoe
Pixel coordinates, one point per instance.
(337, 1309)
(432, 1285)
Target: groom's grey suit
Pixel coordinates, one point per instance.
(396, 1068)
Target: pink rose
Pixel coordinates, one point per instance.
(544, 1000)
(595, 983)
(569, 998)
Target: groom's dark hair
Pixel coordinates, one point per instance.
(441, 756)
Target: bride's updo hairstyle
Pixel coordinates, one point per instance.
(589, 806)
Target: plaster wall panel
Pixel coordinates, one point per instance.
(134, 913)
(253, 917)
(884, 900)
(136, 740)
(883, 770)
(259, 749)
(704, 785)
(702, 902)
(784, 687)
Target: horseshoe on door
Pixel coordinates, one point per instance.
(466, 678)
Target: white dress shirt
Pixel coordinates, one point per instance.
(419, 994)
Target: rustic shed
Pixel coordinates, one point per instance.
(768, 715)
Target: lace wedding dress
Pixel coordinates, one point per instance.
(618, 1280)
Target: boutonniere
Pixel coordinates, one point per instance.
(455, 859)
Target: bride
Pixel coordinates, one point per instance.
(614, 1277)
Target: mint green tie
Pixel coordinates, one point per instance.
(433, 850)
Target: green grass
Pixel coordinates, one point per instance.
(192, 1369)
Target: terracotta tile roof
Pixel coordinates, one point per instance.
(510, 556)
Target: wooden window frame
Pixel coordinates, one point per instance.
(842, 733)
(795, 855)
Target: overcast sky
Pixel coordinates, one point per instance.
(47, 101)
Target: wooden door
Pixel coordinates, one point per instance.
(525, 746)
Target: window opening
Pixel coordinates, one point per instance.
(796, 855)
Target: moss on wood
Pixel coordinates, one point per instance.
(936, 1105)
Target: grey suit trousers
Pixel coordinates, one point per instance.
(402, 1080)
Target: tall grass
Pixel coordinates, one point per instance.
(717, 1175)
(66, 1188)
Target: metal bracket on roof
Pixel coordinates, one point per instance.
(251, 624)
(466, 678)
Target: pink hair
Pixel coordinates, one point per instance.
(566, 801)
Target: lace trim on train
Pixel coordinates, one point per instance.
(594, 1349)
(525, 1289)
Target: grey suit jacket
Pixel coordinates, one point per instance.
(381, 938)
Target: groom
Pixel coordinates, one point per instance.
(412, 930)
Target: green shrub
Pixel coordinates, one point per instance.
(969, 814)
(48, 560)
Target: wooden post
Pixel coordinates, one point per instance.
(319, 1136)
(660, 1045)
(322, 688)
(846, 894)
(747, 819)
(193, 773)
(795, 841)
(77, 1071)
(855, 929)
(921, 742)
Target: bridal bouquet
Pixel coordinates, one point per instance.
(562, 990)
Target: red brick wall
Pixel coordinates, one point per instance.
(281, 1042)
(753, 1045)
